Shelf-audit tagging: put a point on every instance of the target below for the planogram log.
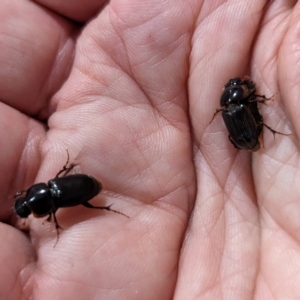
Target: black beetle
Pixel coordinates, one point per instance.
(239, 107)
(43, 199)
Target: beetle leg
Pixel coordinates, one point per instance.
(66, 169)
(49, 218)
(57, 227)
(217, 111)
(87, 204)
(17, 194)
(264, 97)
(263, 100)
(232, 142)
(274, 131)
(262, 138)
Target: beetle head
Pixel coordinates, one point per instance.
(21, 208)
(232, 95)
(233, 82)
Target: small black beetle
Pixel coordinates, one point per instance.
(239, 107)
(43, 199)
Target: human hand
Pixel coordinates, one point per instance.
(134, 112)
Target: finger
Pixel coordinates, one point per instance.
(275, 168)
(277, 180)
(35, 54)
(17, 258)
(125, 103)
(19, 159)
(78, 10)
(225, 212)
(288, 73)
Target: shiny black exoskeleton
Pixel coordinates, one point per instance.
(43, 199)
(239, 107)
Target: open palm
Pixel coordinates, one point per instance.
(130, 95)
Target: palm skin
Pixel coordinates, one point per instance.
(132, 101)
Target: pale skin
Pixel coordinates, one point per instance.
(131, 97)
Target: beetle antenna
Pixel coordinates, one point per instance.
(17, 194)
(57, 226)
(216, 112)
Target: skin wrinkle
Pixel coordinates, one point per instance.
(113, 66)
(235, 205)
(293, 85)
(45, 80)
(28, 285)
(172, 179)
(8, 63)
(114, 108)
(200, 21)
(270, 291)
(209, 58)
(214, 172)
(161, 204)
(62, 54)
(228, 196)
(56, 279)
(294, 236)
(103, 245)
(141, 172)
(269, 62)
(127, 104)
(167, 193)
(62, 276)
(265, 195)
(280, 225)
(133, 73)
(179, 126)
(18, 38)
(11, 184)
(160, 200)
(26, 54)
(19, 281)
(210, 229)
(139, 87)
(141, 24)
(273, 293)
(114, 195)
(28, 143)
(167, 55)
(87, 72)
(164, 115)
(120, 36)
(223, 257)
(258, 269)
(218, 281)
(278, 30)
